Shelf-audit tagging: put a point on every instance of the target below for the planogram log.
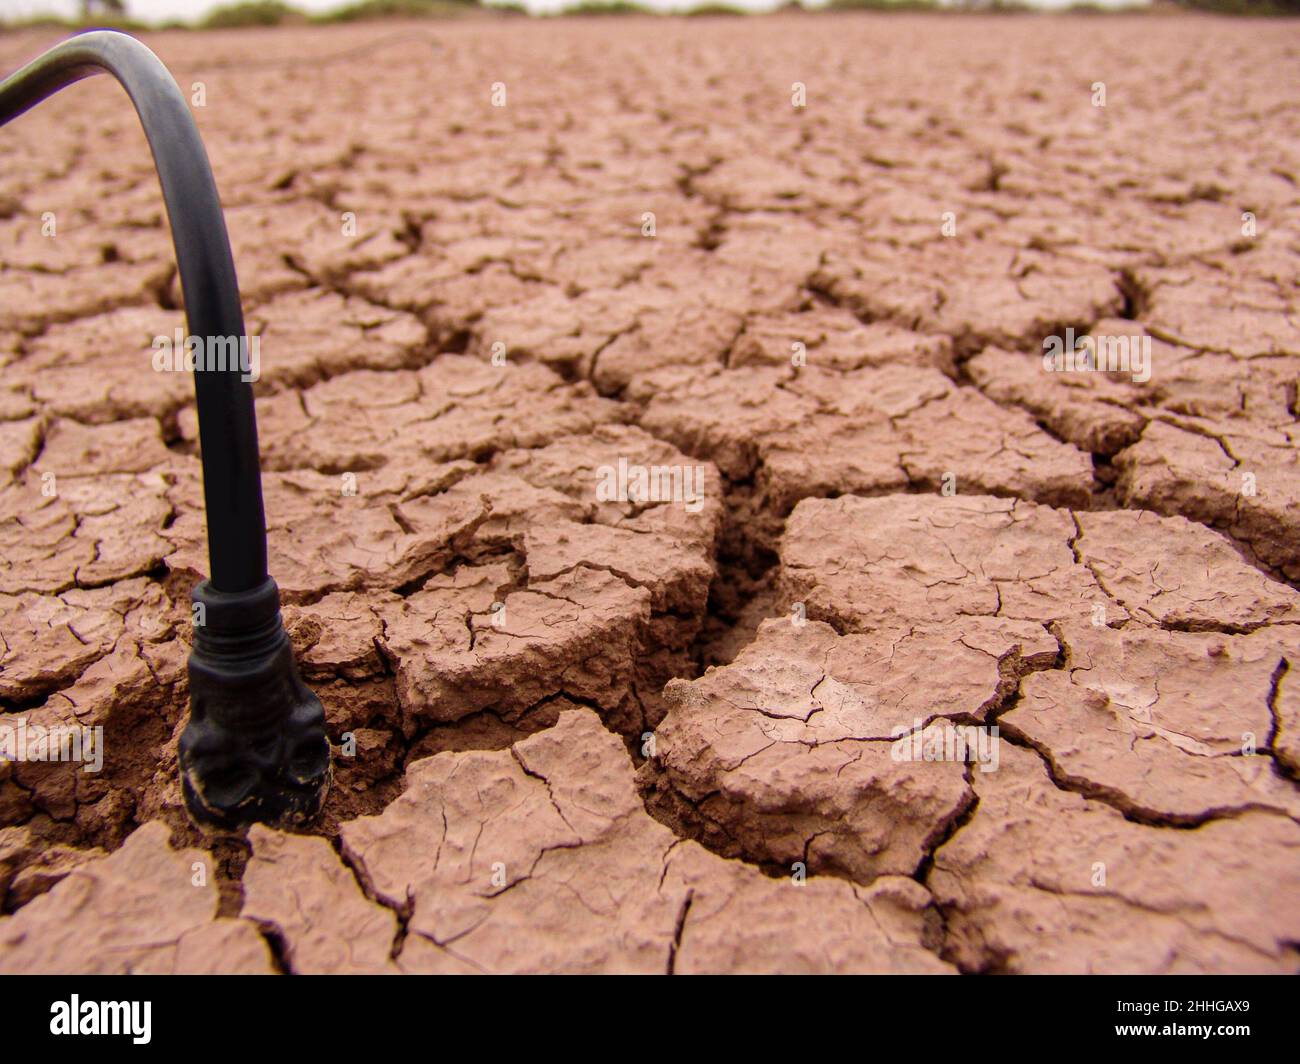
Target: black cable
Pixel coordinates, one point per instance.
(232, 481)
(255, 746)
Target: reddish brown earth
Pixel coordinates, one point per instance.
(582, 734)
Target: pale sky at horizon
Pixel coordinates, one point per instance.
(189, 10)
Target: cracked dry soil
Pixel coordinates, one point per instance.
(914, 528)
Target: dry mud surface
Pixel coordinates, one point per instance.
(581, 733)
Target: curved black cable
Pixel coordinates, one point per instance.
(255, 746)
(232, 480)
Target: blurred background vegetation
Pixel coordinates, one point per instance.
(250, 13)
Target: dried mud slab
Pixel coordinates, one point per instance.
(99, 368)
(1169, 726)
(1138, 657)
(145, 909)
(489, 595)
(867, 431)
(455, 408)
(1177, 574)
(542, 858)
(1103, 894)
(80, 531)
(136, 695)
(870, 564)
(1092, 411)
(32, 299)
(1233, 304)
(1019, 296)
(577, 636)
(511, 578)
(31, 865)
(1244, 480)
(789, 754)
(330, 540)
(296, 888)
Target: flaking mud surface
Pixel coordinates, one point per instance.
(576, 733)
